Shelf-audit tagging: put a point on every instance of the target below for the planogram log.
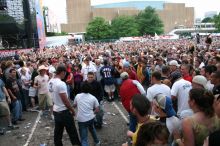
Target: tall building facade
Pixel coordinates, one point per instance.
(80, 12)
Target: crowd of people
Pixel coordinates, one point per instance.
(170, 89)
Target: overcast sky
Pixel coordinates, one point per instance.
(201, 6)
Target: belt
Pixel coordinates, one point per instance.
(60, 112)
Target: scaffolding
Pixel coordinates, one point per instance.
(23, 32)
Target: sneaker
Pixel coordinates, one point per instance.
(98, 144)
(2, 131)
(14, 122)
(21, 119)
(12, 127)
(98, 126)
(52, 117)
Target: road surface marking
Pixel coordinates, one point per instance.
(33, 129)
(120, 111)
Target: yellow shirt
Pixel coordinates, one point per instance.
(134, 137)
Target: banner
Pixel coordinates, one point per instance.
(9, 53)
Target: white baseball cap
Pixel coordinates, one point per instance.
(201, 80)
(124, 75)
(174, 62)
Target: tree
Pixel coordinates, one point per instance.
(207, 20)
(124, 26)
(217, 21)
(98, 28)
(149, 22)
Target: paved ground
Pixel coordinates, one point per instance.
(113, 132)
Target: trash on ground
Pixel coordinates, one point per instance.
(47, 127)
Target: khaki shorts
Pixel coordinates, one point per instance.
(109, 88)
(4, 109)
(44, 100)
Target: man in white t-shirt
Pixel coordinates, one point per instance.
(25, 82)
(87, 105)
(52, 68)
(62, 109)
(158, 87)
(206, 71)
(22, 65)
(180, 91)
(41, 83)
(88, 67)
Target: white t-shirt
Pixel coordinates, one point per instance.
(42, 81)
(173, 123)
(56, 86)
(85, 103)
(181, 89)
(209, 86)
(51, 69)
(157, 89)
(86, 69)
(25, 78)
(28, 72)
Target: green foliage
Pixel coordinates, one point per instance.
(146, 22)
(217, 22)
(207, 20)
(149, 22)
(98, 28)
(56, 34)
(124, 26)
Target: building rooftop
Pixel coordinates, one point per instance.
(140, 5)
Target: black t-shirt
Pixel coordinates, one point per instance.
(13, 85)
(216, 90)
(116, 73)
(96, 90)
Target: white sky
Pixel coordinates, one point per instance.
(201, 6)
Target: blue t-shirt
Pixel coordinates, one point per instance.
(2, 95)
(107, 75)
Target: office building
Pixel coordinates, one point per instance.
(80, 13)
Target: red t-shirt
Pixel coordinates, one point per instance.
(188, 78)
(132, 75)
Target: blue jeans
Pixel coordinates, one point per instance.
(16, 110)
(26, 98)
(132, 122)
(83, 131)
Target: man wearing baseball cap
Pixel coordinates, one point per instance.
(41, 84)
(62, 109)
(127, 90)
(199, 81)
